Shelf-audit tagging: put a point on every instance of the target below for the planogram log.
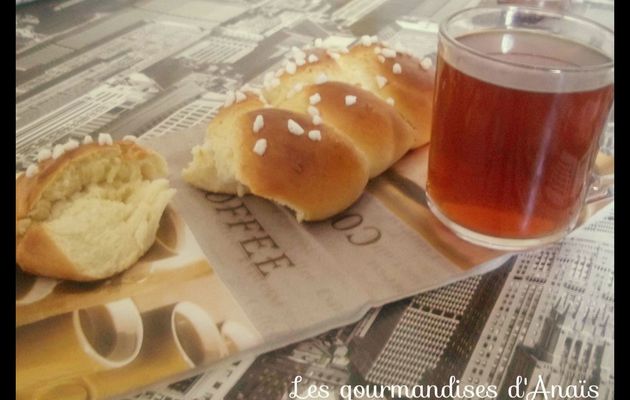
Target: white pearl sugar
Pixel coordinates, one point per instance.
(258, 123)
(105, 139)
(260, 146)
(295, 128)
(32, 170)
(315, 135)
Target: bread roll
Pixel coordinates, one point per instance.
(90, 212)
(322, 126)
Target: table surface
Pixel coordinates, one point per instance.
(157, 66)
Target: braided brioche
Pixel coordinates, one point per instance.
(91, 211)
(320, 128)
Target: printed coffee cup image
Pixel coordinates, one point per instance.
(237, 336)
(178, 337)
(87, 340)
(30, 289)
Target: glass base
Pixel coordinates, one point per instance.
(493, 242)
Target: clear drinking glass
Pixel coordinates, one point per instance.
(522, 97)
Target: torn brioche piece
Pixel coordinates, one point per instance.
(88, 212)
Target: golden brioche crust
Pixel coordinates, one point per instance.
(316, 178)
(38, 254)
(412, 89)
(372, 125)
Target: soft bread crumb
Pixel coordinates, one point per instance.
(101, 212)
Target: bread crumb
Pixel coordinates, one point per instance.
(390, 101)
(295, 128)
(87, 139)
(397, 69)
(350, 100)
(130, 138)
(312, 58)
(260, 146)
(314, 99)
(317, 120)
(300, 61)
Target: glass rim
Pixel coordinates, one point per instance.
(555, 69)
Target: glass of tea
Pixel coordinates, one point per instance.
(522, 97)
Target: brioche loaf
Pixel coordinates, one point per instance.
(320, 128)
(90, 211)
